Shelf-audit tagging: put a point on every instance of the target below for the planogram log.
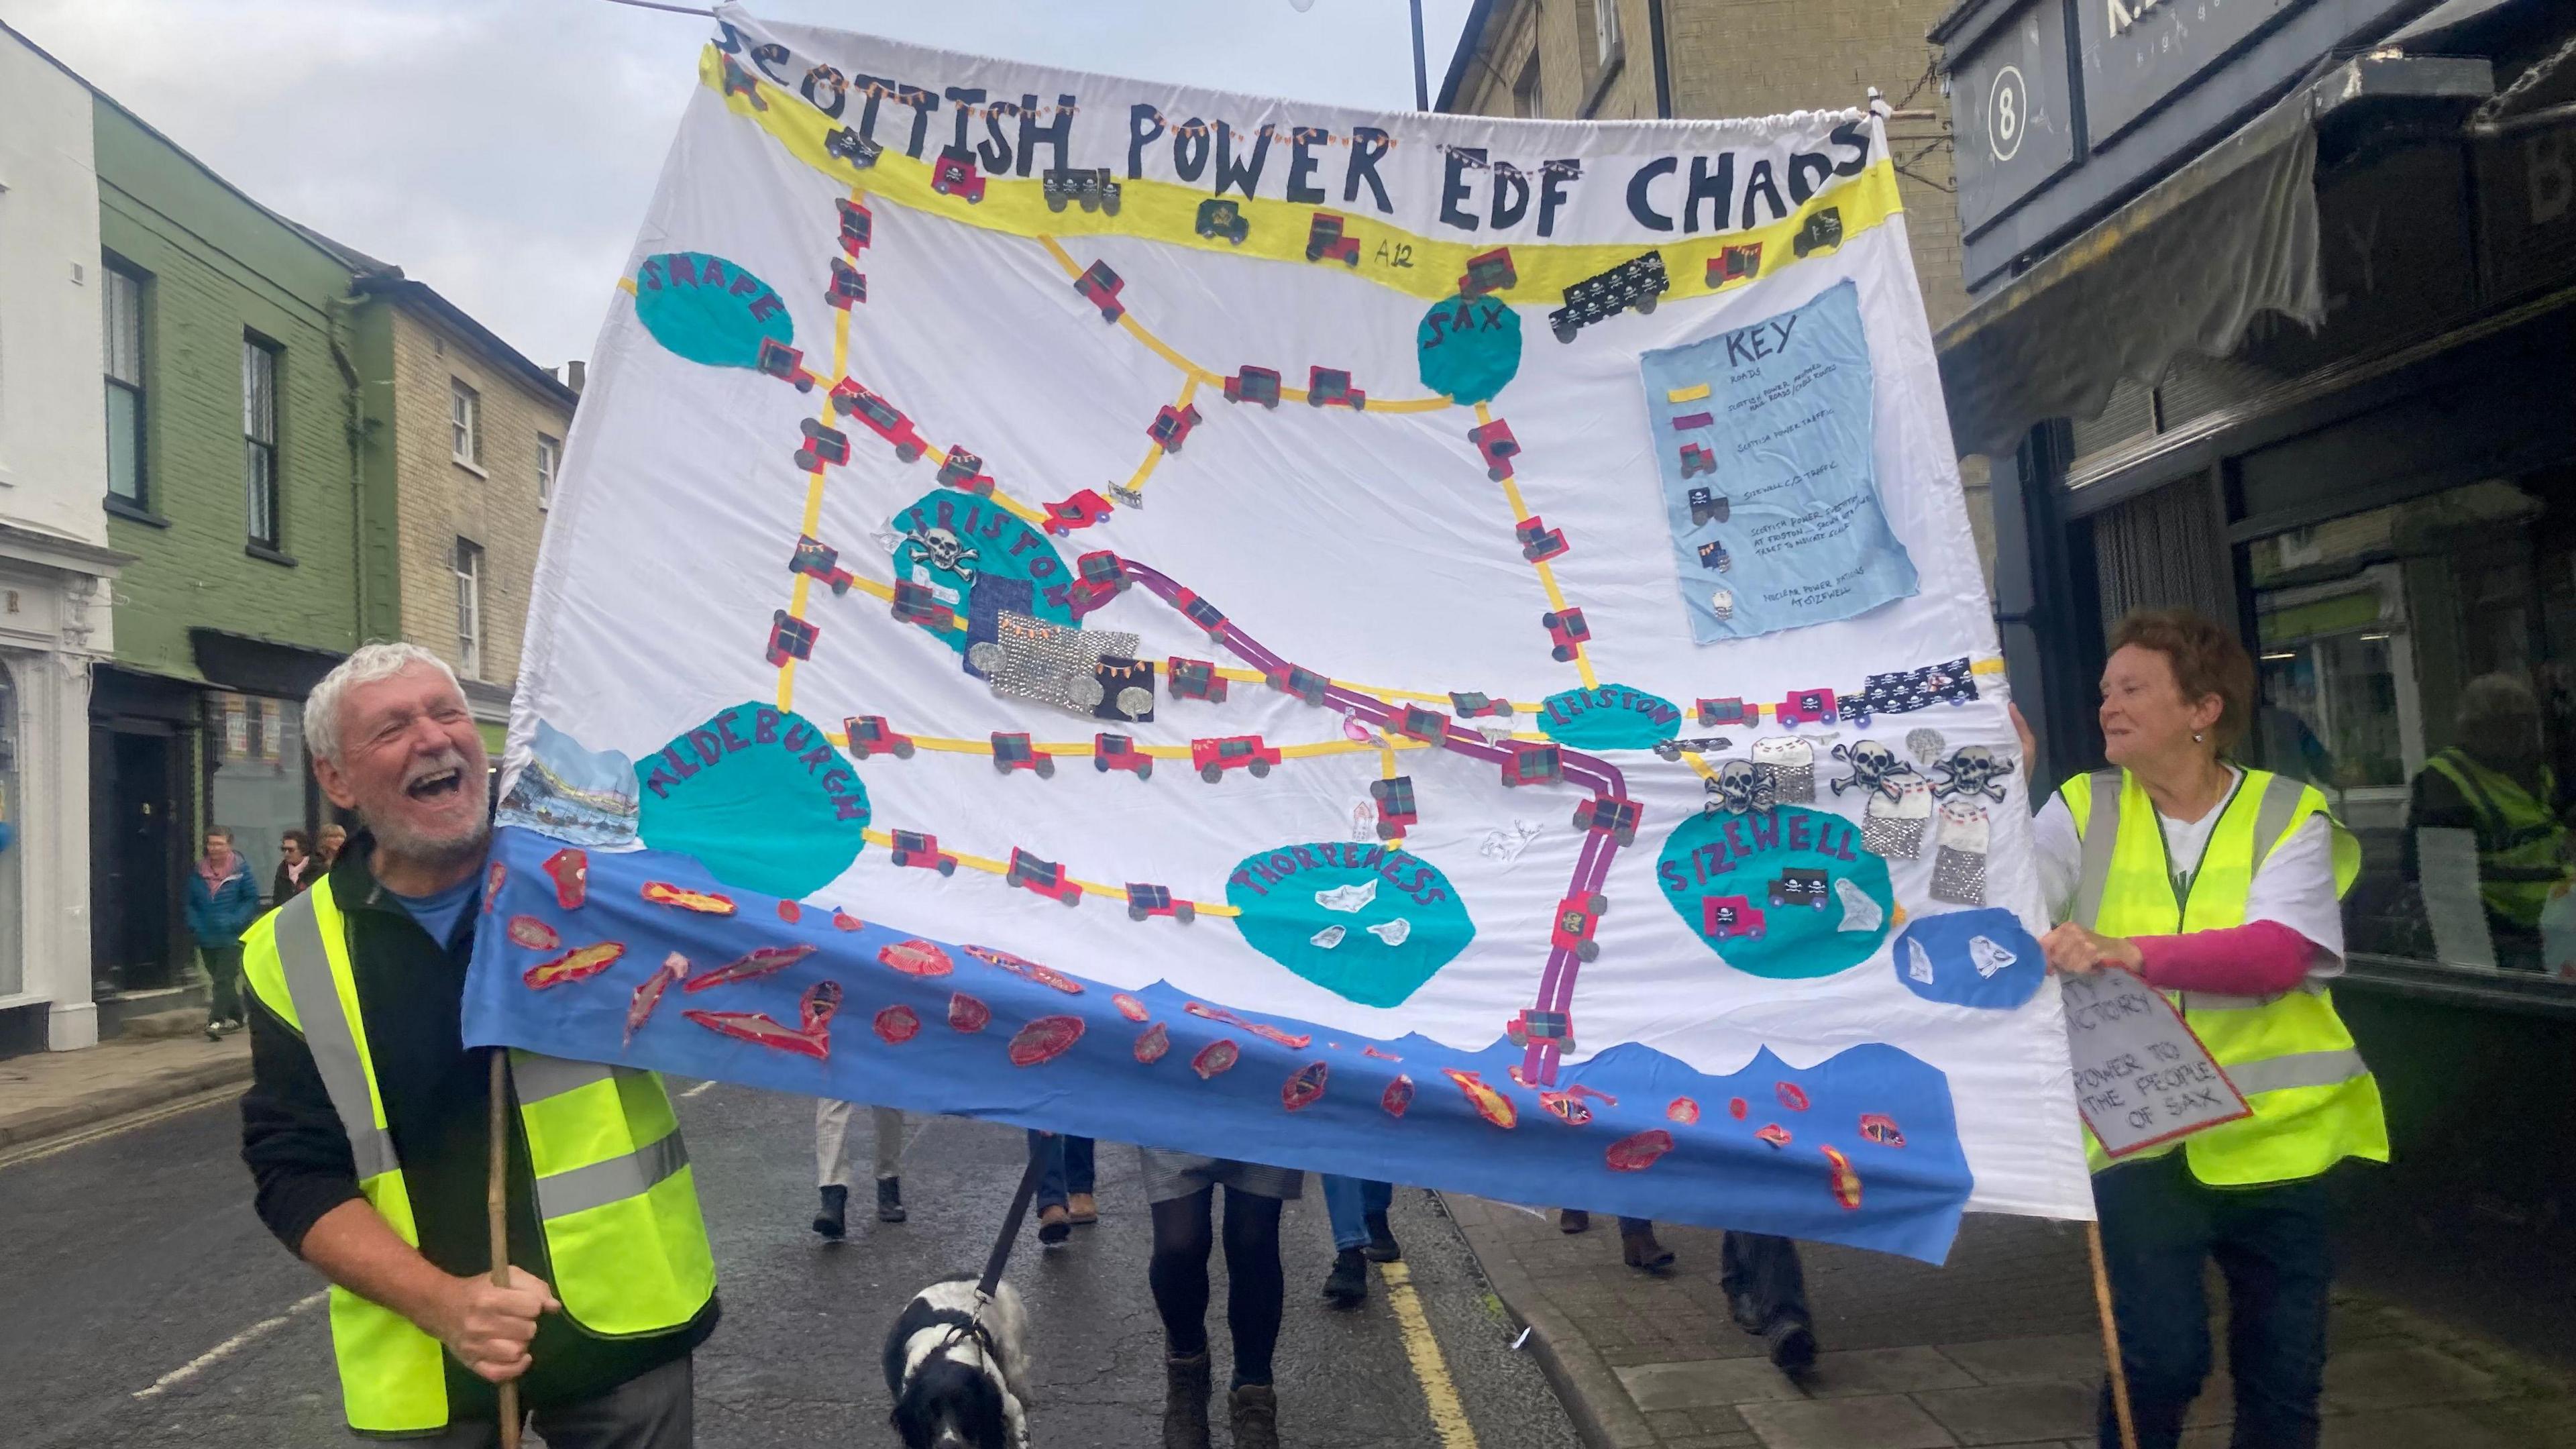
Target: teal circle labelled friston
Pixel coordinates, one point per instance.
(759, 797)
(1469, 347)
(981, 561)
(1612, 717)
(708, 309)
(1785, 894)
(1368, 923)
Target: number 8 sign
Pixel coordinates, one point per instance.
(2007, 106)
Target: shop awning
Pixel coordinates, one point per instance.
(2187, 266)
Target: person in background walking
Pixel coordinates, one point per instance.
(222, 902)
(1766, 1286)
(1360, 1236)
(2220, 885)
(333, 837)
(296, 867)
(832, 1164)
(1064, 1197)
(1182, 1189)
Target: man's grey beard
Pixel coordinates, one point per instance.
(436, 852)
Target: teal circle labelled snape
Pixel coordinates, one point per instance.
(1611, 717)
(708, 309)
(1368, 923)
(760, 797)
(1746, 862)
(1469, 347)
(1012, 568)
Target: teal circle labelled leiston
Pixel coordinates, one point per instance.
(1015, 566)
(1311, 909)
(759, 797)
(1724, 856)
(1612, 717)
(708, 309)
(1469, 347)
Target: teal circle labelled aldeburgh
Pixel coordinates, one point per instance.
(971, 550)
(1786, 894)
(1612, 717)
(1368, 923)
(1469, 347)
(708, 309)
(759, 797)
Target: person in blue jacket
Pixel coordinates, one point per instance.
(222, 902)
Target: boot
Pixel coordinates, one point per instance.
(1382, 1246)
(1082, 1208)
(1185, 1402)
(1793, 1346)
(1573, 1220)
(1256, 1417)
(1347, 1287)
(890, 1200)
(1643, 1253)
(829, 1218)
(1055, 1225)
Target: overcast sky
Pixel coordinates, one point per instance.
(503, 150)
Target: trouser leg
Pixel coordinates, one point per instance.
(1345, 1203)
(654, 1410)
(1051, 1177)
(831, 1143)
(2274, 1247)
(223, 981)
(2156, 1232)
(1764, 1272)
(1178, 1271)
(1256, 1285)
(888, 1124)
(1078, 1168)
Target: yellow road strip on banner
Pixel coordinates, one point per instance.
(1686, 394)
(814, 492)
(1546, 575)
(1439, 1392)
(990, 866)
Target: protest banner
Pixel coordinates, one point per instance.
(2142, 1077)
(1175, 616)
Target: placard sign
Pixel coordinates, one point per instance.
(2141, 1075)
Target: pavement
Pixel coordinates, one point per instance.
(44, 1095)
(2001, 1347)
(142, 1303)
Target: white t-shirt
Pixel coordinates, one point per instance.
(2295, 885)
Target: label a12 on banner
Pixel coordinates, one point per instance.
(2142, 1077)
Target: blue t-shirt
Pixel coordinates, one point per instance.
(439, 912)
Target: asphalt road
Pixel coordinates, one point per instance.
(142, 1303)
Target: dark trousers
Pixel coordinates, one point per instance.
(653, 1410)
(223, 970)
(2159, 1225)
(1068, 1167)
(1764, 1281)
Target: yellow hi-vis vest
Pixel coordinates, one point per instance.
(625, 1247)
(2522, 849)
(2315, 1102)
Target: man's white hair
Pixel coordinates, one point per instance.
(371, 662)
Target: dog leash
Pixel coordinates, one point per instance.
(1011, 1222)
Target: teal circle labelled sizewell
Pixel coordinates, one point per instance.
(1368, 923)
(965, 548)
(759, 797)
(1611, 717)
(1772, 891)
(708, 309)
(1469, 347)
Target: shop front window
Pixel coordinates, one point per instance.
(2418, 665)
(257, 781)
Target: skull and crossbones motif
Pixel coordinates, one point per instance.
(1875, 767)
(1740, 787)
(1972, 770)
(945, 551)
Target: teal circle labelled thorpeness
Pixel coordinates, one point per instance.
(1612, 717)
(1338, 890)
(759, 797)
(1723, 855)
(1469, 347)
(708, 309)
(1016, 565)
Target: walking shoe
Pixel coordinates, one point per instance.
(829, 1219)
(1347, 1286)
(1573, 1220)
(1381, 1244)
(1748, 1315)
(1054, 1224)
(1793, 1346)
(1185, 1402)
(1256, 1417)
(890, 1200)
(1643, 1253)
(1081, 1209)
(214, 1029)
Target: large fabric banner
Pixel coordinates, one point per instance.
(1423, 647)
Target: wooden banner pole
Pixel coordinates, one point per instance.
(496, 1199)
(2110, 1337)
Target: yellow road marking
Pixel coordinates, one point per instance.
(1439, 1393)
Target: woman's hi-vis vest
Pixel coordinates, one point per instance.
(2314, 1100)
(625, 1247)
(2522, 848)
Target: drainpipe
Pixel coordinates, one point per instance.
(1663, 63)
(340, 312)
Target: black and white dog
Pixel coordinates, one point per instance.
(959, 1382)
